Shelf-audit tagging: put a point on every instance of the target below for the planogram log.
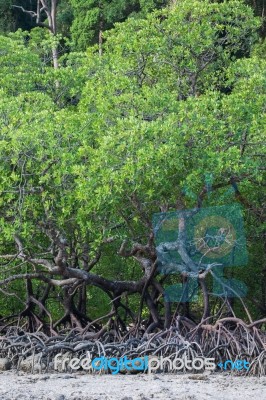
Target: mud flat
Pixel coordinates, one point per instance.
(130, 387)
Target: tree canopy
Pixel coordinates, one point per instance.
(92, 149)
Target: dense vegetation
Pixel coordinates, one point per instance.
(110, 112)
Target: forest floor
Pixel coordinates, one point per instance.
(76, 386)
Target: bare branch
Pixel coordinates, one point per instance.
(31, 13)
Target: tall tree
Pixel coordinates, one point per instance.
(79, 185)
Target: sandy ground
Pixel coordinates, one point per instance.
(130, 387)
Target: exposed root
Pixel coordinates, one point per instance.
(228, 338)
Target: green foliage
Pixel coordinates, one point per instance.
(20, 69)
(64, 17)
(93, 16)
(160, 97)
(174, 96)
